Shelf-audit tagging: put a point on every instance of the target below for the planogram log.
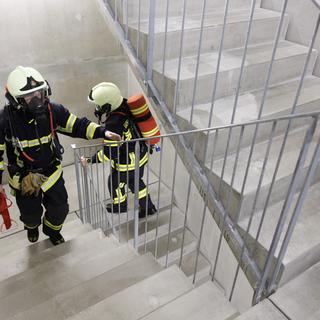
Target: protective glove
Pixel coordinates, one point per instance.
(31, 183)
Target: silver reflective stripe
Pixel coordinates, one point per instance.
(52, 179)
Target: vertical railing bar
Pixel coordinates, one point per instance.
(274, 50)
(151, 35)
(139, 28)
(228, 200)
(119, 192)
(85, 190)
(171, 204)
(104, 219)
(76, 166)
(116, 10)
(261, 109)
(216, 77)
(158, 200)
(164, 52)
(285, 208)
(305, 68)
(93, 215)
(111, 188)
(186, 210)
(265, 161)
(136, 195)
(297, 210)
(198, 62)
(253, 5)
(147, 198)
(127, 20)
(127, 189)
(180, 58)
(98, 196)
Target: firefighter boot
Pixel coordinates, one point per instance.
(150, 211)
(33, 234)
(56, 238)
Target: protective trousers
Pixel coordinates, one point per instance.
(116, 183)
(55, 201)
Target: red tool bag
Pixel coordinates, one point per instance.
(4, 211)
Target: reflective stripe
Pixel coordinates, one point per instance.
(52, 179)
(91, 130)
(139, 110)
(150, 133)
(31, 227)
(69, 125)
(121, 197)
(35, 142)
(14, 182)
(110, 143)
(1, 165)
(143, 193)
(131, 166)
(52, 226)
(127, 135)
(102, 157)
(2, 147)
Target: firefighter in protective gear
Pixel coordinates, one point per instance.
(29, 124)
(112, 110)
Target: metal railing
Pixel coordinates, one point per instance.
(171, 234)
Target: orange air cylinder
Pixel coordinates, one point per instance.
(144, 119)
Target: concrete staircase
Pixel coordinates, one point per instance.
(91, 276)
(288, 64)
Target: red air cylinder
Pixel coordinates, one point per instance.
(144, 119)
(4, 210)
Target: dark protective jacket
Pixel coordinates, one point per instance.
(37, 141)
(123, 157)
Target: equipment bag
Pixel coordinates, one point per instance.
(144, 118)
(4, 212)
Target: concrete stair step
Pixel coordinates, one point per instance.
(205, 302)
(19, 240)
(62, 277)
(279, 101)
(26, 258)
(39, 268)
(304, 248)
(88, 293)
(289, 61)
(159, 247)
(300, 298)
(284, 175)
(156, 225)
(265, 310)
(140, 299)
(264, 27)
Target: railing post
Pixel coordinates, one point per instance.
(136, 195)
(76, 165)
(284, 213)
(150, 49)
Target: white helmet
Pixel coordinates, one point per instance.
(106, 96)
(23, 81)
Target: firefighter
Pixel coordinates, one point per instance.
(29, 124)
(112, 110)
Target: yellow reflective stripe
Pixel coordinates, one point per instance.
(31, 227)
(52, 179)
(1, 165)
(143, 193)
(120, 196)
(91, 130)
(139, 110)
(69, 125)
(150, 133)
(131, 166)
(14, 182)
(110, 143)
(52, 226)
(35, 142)
(2, 147)
(102, 157)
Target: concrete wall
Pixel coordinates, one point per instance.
(303, 16)
(69, 42)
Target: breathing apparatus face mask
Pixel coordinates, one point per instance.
(102, 112)
(34, 102)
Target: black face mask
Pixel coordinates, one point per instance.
(36, 106)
